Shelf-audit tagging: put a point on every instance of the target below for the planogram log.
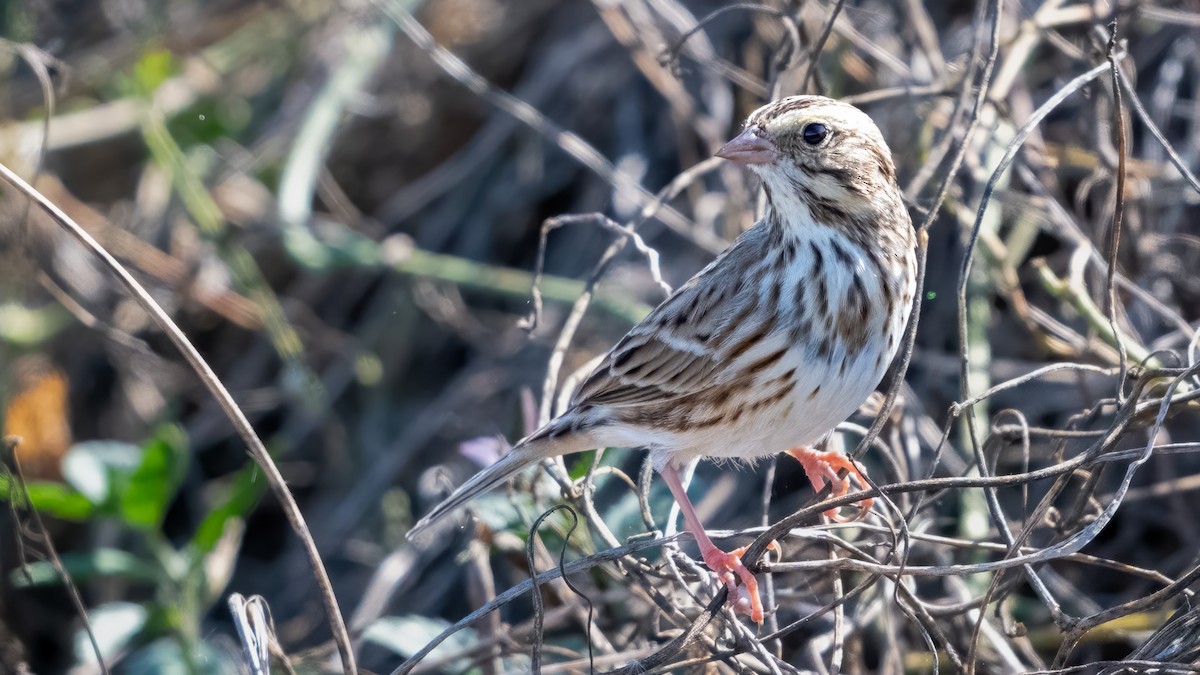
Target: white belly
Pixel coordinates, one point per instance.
(801, 419)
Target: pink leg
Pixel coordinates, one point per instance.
(822, 468)
(726, 565)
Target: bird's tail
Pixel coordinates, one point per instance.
(533, 449)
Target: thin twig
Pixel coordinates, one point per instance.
(20, 492)
(568, 141)
(255, 446)
(815, 53)
(1114, 242)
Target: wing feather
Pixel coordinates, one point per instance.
(675, 351)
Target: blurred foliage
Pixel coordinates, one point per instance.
(111, 481)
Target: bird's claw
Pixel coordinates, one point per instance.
(822, 468)
(729, 569)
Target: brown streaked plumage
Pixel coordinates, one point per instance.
(771, 345)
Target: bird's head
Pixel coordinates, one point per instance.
(817, 151)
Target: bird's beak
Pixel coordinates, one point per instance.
(749, 148)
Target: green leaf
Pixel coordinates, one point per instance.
(406, 635)
(150, 488)
(26, 326)
(502, 512)
(114, 625)
(99, 470)
(87, 565)
(580, 468)
(171, 656)
(54, 499)
(248, 486)
(155, 66)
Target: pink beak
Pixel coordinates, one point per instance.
(749, 148)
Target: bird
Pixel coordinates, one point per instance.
(769, 347)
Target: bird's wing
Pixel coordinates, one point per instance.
(683, 346)
(645, 367)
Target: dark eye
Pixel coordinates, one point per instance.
(814, 133)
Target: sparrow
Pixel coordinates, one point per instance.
(773, 344)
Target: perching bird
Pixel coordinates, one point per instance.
(769, 347)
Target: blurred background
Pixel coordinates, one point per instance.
(344, 206)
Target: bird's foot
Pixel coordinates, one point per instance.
(726, 566)
(822, 468)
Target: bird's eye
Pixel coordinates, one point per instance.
(814, 133)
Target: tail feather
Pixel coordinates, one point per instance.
(529, 451)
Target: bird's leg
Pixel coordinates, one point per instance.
(726, 565)
(822, 468)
